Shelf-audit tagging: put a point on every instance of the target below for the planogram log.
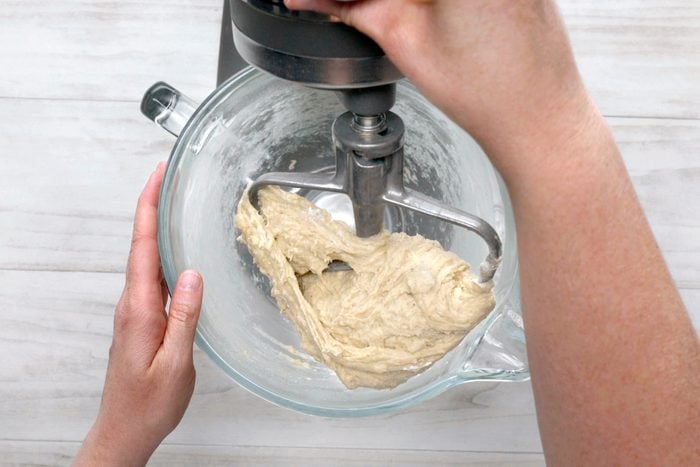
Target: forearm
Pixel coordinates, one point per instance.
(111, 447)
(613, 355)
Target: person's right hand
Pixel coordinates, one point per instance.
(501, 69)
(601, 313)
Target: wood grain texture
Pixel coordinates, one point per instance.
(662, 159)
(57, 454)
(55, 332)
(691, 299)
(71, 174)
(76, 152)
(67, 197)
(106, 50)
(638, 57)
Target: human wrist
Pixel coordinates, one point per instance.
(108, 444)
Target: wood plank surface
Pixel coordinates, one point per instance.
(662, 157)
(639, 57)
(56, 454)
(55, 332)
(691, 299)
(71, 174)
(76, 152)
(106, 50)
(67, 197)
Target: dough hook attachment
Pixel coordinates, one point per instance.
(318, 51)
(369, 160)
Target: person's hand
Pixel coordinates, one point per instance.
(150, 375)
(601, 313)
(501, 69)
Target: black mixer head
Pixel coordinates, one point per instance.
(307, 47)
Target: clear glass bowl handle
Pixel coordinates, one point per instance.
(167, 107)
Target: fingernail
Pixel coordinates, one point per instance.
(190, 280)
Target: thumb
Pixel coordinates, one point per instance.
(370, 17)
(184, 311)
(328, 7)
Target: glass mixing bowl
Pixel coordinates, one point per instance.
(255, 123)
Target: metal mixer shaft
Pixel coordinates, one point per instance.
(318, 51)
(369, 170)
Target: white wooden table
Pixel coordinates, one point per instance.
(75, 152)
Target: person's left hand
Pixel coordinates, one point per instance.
(150, 375)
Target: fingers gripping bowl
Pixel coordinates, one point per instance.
(254, 124)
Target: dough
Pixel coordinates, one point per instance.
(406, 303)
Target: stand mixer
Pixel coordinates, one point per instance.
(346, 156)
(317, 51)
